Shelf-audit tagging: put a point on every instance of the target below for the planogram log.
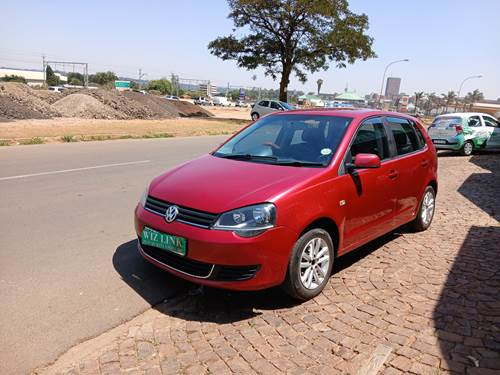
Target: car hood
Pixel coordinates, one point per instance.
(214, 184)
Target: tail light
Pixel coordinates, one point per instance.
(459, 129)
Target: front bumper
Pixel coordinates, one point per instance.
(220, 258)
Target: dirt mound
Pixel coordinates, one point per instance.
(21, 101)
(85, 106)
(187, 109)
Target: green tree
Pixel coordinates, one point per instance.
(13, 78)
(76, 79)
(319, 82)
(294, 36)
(102, 78)
(162, 85)
(473, 97)
(418, 98)
(50, 77)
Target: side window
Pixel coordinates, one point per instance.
(488, 121)
(264, 103)
(474, 121)
(420, 136)
(370, 139)
(404, 135)
(275, 105)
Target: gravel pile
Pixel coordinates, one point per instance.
(19, 101)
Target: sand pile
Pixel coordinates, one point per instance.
(85, 106)
(20, 101)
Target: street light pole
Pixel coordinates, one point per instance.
(466, 79)
(383, 77)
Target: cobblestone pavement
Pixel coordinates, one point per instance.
(431, 300)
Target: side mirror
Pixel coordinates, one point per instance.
(362, 161)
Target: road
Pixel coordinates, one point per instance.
(68, 265)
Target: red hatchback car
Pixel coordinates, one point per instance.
(281, 199)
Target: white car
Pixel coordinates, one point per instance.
(465, 132)
(264, 107)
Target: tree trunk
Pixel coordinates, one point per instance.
(285, 80)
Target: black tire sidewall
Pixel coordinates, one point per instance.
(293, 285)
(255, 116)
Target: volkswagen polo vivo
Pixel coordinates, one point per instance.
(283, 198)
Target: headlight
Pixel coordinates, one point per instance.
(144, 197)
(248, 221)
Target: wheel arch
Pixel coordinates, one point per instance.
(329, 225)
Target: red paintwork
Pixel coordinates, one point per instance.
(390, 197)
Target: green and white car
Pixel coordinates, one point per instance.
(465, 132)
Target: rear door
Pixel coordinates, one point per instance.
(372, 192)
(411, 163)
(493, 127)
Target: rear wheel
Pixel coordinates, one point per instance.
(310, 265)
(255, 116)
(426, 211)
(467, 149)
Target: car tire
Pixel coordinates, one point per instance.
(255, 116)
(304, 281)
(467, 149)
(426, 211)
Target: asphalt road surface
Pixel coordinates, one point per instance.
(69, 269)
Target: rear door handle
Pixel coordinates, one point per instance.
(393, 174)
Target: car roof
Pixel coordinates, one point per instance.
(345, 112)
(463, 114)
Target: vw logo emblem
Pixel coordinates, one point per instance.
(171, 213)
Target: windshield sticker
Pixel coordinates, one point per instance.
(326, 151)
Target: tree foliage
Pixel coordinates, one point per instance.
(102, 78)
(162, 85)
(299, 36)
(13, 78)
(75, 78)
(50, 77)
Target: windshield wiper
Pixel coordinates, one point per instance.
(247, 157)
(298, 163)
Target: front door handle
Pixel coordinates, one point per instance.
(393, 174)
(425, 163)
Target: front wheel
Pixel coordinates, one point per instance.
(310, 265)
(426, 211)
(467, 149)
(255, 116)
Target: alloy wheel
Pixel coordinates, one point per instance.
(314, 263)
(427, 210)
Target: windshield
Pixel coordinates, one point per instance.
(444, 122)
(295, 140)
(287, 106)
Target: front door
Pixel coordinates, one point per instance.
(370, 208)
(493, 127)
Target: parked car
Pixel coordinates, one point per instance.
(283, 198)
(171, 97)
(58, 89)
(202, 101)
(264, 107)
(465, 132)
(241, 104)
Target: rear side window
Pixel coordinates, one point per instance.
(420, 136)
(370, 139)
(474, 121)
(264, 103)
(275, 105)
(404, 135)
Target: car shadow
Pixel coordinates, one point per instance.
(467, 314)
(196, 303)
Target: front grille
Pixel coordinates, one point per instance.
(186, 215)
(200, 269)
(179, 263)
(235, 273)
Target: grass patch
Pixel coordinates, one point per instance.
(68, 138)
(4, 143)
(32, 141)
(89, 138)
(158, 135)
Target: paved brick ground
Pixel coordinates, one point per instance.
(432, 299)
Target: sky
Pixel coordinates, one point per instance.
(445, 41)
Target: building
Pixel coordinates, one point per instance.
(392, 87)
(310, 101)
(32, 77)
(208, 89)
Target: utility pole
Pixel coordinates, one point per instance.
(44, 70)
(141, 74)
